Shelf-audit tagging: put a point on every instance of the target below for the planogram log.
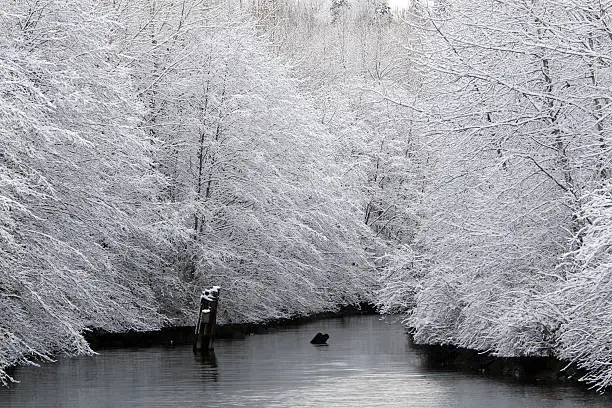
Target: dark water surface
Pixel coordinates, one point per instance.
(368, 363)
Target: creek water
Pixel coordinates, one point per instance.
(368, 363)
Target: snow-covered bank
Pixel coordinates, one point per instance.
(453, 163)
(147, 150)
(180, 335)
(480, 132)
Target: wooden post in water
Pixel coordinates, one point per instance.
(207, 319)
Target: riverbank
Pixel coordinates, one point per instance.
(367, 363)
(548, 370)
(180, 335)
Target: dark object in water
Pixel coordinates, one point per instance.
(320, 338)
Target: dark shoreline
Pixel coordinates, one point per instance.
(534, 370)
(181, 335)
(531, 370)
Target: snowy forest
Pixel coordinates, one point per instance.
(449, 162)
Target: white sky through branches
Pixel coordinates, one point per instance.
(399, 4)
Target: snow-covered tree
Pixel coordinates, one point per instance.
(77, 183)
(585, 301)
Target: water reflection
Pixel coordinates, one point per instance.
(366, 363)
(208, 363)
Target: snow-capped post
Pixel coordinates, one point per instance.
(207, 319)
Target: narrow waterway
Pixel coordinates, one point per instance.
(368, 363)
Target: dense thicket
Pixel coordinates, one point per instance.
(479, 137)
(452, 159)
(513, 236)
(76, 181)
(148, 149)
(538, 126)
